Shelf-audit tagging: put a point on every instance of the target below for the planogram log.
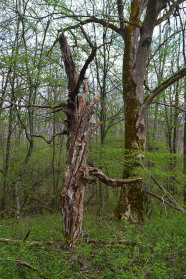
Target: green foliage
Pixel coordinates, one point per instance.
(155, 250)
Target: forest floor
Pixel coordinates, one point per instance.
(113, 249)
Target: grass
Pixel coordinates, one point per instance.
(155, 250)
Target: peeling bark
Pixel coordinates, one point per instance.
(72, 196)
(79, 131)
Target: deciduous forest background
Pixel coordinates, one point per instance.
(36, 127)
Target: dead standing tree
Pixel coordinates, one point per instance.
(79, 131)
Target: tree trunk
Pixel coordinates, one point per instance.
(130, 204)
(101, 196)
(184, 152)
(79, 132)
(137, 46)
(6, 168)
(72, 196)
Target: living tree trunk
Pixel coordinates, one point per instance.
(130, 204)
(137, 37)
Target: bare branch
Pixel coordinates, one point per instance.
(168, 105)
(100, 21)
(121, 14)
(52, 138)
(164, 42)
(1, 108)
(86, 36)
(27, 235)
(175, 77)
(23, 126)
(89, 20)
(107, 43)
(146, 86)
(162, 199)
(70, 67)
(167, 194)
(74, 82)
(29, 243)
(87, 62)
(110, 181)
(32, 105)
(83, 70)
(170, 11)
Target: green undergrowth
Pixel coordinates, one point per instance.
(154, 250)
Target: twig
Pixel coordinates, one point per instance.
(27, 235)
(162, 45)
(32, 105)
(168, 105)
(52, 138)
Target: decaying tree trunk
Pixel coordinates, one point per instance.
(76, 176)
(79, 131)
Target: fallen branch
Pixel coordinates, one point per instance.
(162, 199)
(29, 243)
(103, 241)
(175, 204)
(168, 195)
(21, 263)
